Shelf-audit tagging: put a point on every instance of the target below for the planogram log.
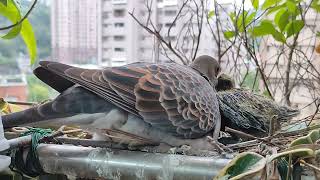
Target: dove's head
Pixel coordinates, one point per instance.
(225, 82)
(208, 67)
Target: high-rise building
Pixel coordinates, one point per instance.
(74, 31)
(275, 62)
(122, 40)
(103, 32)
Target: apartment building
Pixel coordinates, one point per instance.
(121, 40)
(13, 84)
(74, 31)
(303, 93)
(102, 31)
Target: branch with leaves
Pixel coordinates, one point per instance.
(21, 26)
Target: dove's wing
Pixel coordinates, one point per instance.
(169, 96)
(88, 79)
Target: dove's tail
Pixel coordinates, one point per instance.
(73, 101)
(14, 119)
(29, 116)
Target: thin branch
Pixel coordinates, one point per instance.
(22, 19)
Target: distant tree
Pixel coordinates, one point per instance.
(37, 90)
(40, 20)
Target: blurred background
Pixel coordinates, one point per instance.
(100, 33)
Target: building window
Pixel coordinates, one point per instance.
(118, 24)
(106, 48)
(106, 25)
(119, 1)
(14, 80)
(185, 50)
(105, 15)
(119, 13)
(171, 38)
(169, 24)
(186, 38)
(143, 13)
(268, 48)
(105, 59)
(119, 49)
(170, 12)
(118, 38)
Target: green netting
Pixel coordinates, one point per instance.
(30, 166)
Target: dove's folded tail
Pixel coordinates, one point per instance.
(74, 101)
(21, 118)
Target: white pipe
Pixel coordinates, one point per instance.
(4, 160)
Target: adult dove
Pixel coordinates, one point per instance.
(164, 103)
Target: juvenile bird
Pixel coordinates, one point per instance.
(136, 103)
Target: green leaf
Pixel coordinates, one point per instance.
(292, 7)
(211, 14)
(281, 19)
(265, 28)
(311, 138)
(29, 39)
(12, 12)
(315, 5)
(266, 94)
(318, 34)
(269, 3)
(7, 108)
(294, 27)
(232, 16)
(229, 34)
(241, 21)
(243, 166)
(278, 36)
(276, 8)
(299, 152)
(250, 18)
(4, 2)
(255, 4)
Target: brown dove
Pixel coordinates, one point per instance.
(163, 103)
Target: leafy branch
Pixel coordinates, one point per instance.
(22, 19)
(21, 26)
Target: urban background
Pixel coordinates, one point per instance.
(99, 33)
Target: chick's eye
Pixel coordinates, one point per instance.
(218, 70)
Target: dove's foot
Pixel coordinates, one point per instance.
(206, 144)
(161, 148)
(219, 146)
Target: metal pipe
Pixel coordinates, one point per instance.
(88, 162)
(19, 141)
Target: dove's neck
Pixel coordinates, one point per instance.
(200, 73)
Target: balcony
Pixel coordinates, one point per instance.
(119, 1)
